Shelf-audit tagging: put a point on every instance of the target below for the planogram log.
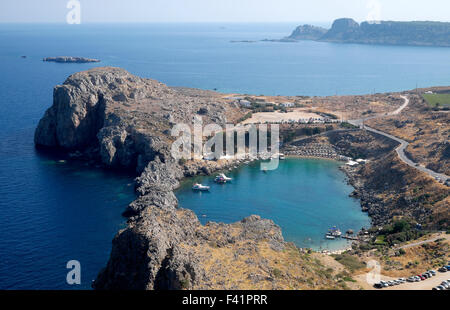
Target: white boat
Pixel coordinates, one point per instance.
(330, 237)
(200, 187)
(223, 176)
(219, 179)
(335, 232)
(282, 157)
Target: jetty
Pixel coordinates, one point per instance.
(350, 237)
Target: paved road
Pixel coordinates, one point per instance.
(410, 245)
(403, 144)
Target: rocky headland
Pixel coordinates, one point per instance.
(123, 121)
(109, 116)
(346, 30)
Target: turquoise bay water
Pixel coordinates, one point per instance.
(52, 212)
(305, 197)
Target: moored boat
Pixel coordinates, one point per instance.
(222, 175)
(220, 180)
(200, 187)
(334, 231)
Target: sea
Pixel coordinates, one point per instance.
(54, 209)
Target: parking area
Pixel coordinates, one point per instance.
(427, 284)
(432, 279)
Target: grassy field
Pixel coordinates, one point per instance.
(437, 99)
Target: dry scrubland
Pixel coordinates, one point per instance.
(427, 131)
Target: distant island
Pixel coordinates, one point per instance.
(346, 30)
(70, 59)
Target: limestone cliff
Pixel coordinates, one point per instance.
(124, 121)
(346, 30)
(307, 32)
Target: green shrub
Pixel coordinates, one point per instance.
(351, 262)
(276, 272)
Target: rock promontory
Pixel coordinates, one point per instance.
(121, 120)
(307, 32)
(347, 30)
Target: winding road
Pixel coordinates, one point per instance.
(403, 144)
(438, 236)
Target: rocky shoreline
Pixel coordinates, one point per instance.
(122, 121)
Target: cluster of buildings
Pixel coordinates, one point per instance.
(311, 120)
(246, 103)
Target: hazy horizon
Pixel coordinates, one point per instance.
(225, 11)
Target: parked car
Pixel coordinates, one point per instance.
(433, 272)
(384, 283)
(378, 285)
(440, 287)
(442, 269)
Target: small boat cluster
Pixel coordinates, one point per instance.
(333, 233)
(220, 179)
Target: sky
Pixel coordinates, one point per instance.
(149, 11)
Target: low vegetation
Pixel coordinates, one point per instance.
(351, 262)
(347, 125)
(437, 100)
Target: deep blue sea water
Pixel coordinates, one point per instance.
(52, 212)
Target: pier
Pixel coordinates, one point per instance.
(350, 237)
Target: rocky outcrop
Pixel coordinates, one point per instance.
(165, 249)
(342, 29)
(307, 32)
(70, 59)
(346, 30)
(122, 120)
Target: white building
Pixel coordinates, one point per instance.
(245, 103)
(287, 104)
